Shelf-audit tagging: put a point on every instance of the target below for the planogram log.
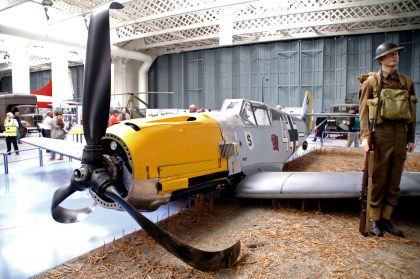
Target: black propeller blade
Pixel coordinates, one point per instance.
(199, 259)
(96, 100)
(97, 87)
(64, 215)
(92, 174)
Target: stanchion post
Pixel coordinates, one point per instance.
(41, 161)
(6, 162)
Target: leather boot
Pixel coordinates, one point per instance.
(389, 227)
(375, 228)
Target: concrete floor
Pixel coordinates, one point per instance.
(30, 240)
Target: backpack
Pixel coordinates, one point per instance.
(60, 122)
(395, 104)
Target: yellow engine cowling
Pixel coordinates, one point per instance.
(171, 150)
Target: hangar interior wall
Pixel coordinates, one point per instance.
(278, 72)
(40, 78)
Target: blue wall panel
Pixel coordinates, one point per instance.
(279, 72)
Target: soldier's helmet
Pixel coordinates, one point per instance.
(386, 48)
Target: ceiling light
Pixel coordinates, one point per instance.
(47, 3)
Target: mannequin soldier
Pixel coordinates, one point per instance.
(392, 137)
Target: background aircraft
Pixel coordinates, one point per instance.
(140, 164)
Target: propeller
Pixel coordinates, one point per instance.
(64, 215)
(96, 100)
(93, 173)
(97, 87)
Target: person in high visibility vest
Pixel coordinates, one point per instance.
(11, 126)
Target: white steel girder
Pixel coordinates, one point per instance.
(172, 29)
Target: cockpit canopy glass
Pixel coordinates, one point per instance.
(247, 114)
(232, 106)
(255, 114)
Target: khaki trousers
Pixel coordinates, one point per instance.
(351, 138)
(390, 153)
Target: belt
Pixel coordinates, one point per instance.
(394, 122)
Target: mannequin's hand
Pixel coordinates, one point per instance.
(365, 145)
(410, 146)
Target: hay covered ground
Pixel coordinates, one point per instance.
(341, 160)
(280, 239)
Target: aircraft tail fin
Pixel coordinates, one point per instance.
(304, 111)
(307, 109)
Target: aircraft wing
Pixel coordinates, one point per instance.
(67, 148)
(308, 185)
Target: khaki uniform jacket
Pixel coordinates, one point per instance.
(392, 81)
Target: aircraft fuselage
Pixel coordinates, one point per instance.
(171, 153)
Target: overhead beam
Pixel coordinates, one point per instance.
(183, 11)
(241, 19)
(84, 12)
(341, 6)
(328, 23)
(44, 37)
(187, 40)
(165, 31)
(8, 4)
(291, 26)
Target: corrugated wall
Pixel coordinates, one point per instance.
(279, 72)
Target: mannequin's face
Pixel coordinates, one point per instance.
(391, 59)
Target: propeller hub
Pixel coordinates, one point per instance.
(81, 178)
(92, 154)
(80, 174)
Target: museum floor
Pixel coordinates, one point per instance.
(30, 240)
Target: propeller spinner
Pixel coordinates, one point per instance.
(93, 173)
